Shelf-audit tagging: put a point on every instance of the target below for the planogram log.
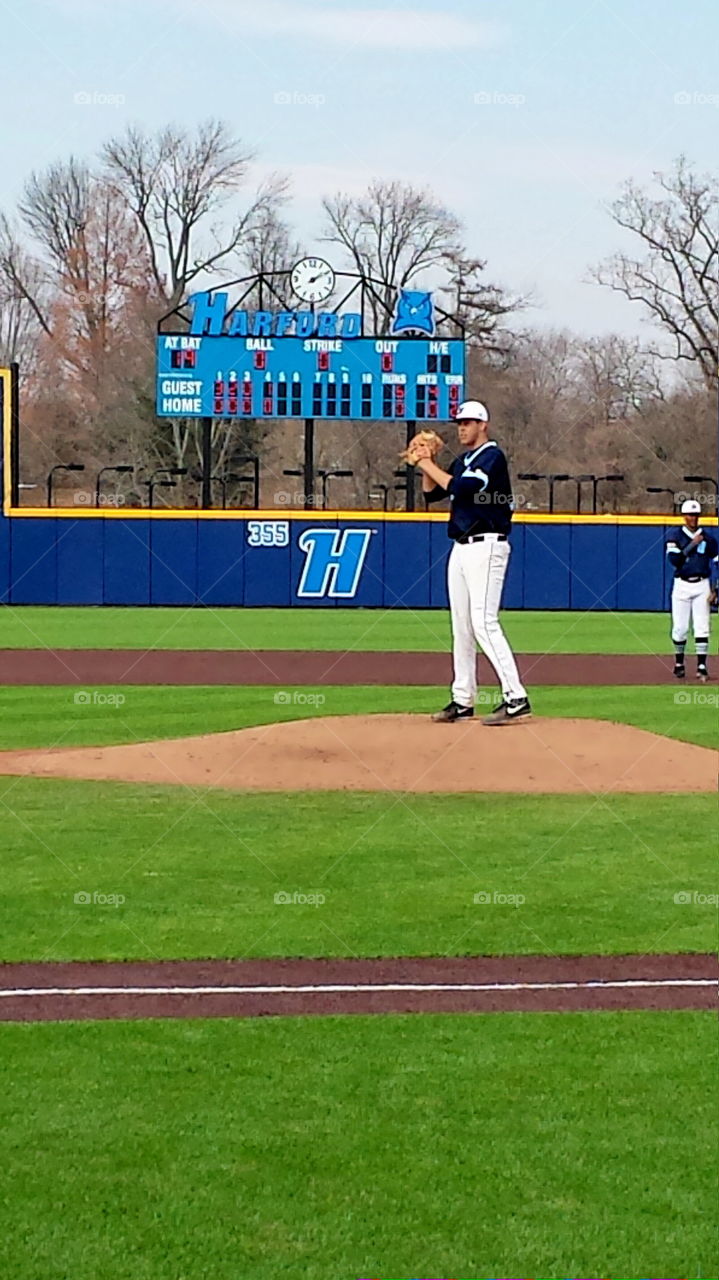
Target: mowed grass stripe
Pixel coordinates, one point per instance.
(530, 631)
(198, 873)
(66, 716)
(551, 1145)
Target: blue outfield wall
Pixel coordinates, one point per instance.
(268, 560)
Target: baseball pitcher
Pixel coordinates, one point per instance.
(480, 494)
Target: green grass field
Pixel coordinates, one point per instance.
(51, 716)
(539, 1145)
(199, 871)
(30, 627)
(315, 1148)
(199, 868)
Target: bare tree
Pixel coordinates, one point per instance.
(55, 207)
(393, 232)
(91, 259)
(677, 280)
(479, 305)
(271, 249)
(21, 302)
(17, 331)
(22, 279)
(616, 377)
(174, 182)
(269, 245)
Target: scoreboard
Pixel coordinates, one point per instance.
(221, 376)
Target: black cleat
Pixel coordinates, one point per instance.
(453, 711)
(679, 670)
(702, 673)
(506, 712)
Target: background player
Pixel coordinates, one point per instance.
(480, 492)
(693, 556)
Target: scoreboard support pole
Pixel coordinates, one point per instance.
(409, 472)
(206, 500)
(309, 464)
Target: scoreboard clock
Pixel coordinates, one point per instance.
(312, 279)
(218, 376)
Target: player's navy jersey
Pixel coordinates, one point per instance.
(480, 492)
(698, 562)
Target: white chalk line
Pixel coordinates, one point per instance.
(342, 988)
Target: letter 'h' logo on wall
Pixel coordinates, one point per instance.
(333, 561)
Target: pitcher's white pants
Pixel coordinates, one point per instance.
(690, 604)
(475, 577)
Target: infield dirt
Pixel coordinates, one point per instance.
(261, 988)
(311, 667)
(406, 753)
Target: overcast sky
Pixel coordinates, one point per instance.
(524, 116)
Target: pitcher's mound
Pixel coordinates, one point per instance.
(396, 753)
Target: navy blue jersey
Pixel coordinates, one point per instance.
(480, 492)
(696, 563)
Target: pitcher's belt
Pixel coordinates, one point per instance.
(481, 537)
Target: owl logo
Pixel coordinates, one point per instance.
(414, 312)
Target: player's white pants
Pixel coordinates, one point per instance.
(475, 577)
(690, 604)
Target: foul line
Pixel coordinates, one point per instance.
(363, 987)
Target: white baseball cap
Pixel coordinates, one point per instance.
(690, 507)
(473, 410)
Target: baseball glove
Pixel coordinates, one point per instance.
(430, 439)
